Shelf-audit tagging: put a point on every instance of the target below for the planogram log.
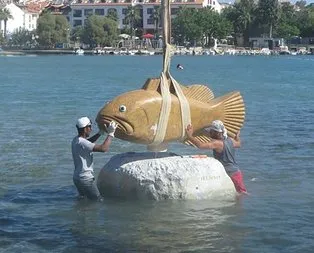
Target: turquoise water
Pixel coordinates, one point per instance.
(41, 98)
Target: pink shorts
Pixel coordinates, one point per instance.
(237, 180)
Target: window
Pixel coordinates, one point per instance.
(124, 11)
(150, 21)
(150, 11)
(77, 13)
(88, 12)
(77, 22)
(125, 21)
(112, 11)
(100, 12)
(174, 11)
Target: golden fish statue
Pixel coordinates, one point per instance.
(137, 113)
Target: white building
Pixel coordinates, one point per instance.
(80, 11)
(23, 17)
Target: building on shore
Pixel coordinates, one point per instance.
(24, 16)
(80, 11)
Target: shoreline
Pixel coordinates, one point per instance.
(121, 51)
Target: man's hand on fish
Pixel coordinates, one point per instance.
(111, 128)
(237, 136)
(189, 130)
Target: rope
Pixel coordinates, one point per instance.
(165, 86)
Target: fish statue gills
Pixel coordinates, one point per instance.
(137, 112)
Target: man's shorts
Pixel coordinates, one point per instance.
(237, 180)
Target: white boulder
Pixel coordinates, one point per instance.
(166, 175)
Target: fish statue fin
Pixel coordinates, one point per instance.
(199, 92)
(232, 111)
(202, 136)
(152, 84)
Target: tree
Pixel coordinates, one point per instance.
(242, 16)
(2, 40)
(213, 25)
(21, 37)
(110, 27)
(77, 33)
(305, 21)
(156, 16)
(5, 15)
(132, 16)
(100, 31)
(268, 13)
(185, 29)
(45, 30)
(112, 13)
(287, 24)
(301, 4)
(52, 29)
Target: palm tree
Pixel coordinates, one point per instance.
(242, 17)
(5, 15)
(156, 16)
(268, 11)
(132, 16)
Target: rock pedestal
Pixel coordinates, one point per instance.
(166, 175)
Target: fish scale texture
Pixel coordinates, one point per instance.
(164, 176)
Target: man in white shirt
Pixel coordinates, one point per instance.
(82, 153)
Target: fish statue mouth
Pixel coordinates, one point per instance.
(123, 126)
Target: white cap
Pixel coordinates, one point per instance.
(83, 122)
(217, 126)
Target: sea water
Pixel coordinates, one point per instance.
(41, 98)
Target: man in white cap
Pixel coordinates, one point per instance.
(82, 153)
(223, 150)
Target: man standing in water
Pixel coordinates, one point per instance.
(223, 150)
(82, 153)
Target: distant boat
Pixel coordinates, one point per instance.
(78, 51)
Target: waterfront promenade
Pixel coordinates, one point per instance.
(151, 51)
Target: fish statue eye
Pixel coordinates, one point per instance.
(122, 108)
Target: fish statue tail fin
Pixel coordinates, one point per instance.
(233, 112)
(230, 109)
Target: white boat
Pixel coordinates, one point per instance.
(78, 51)
(98, 51)
(265, 51)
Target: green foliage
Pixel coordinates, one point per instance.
(287, 24)
(100, 31)
(77, 33)
(156, 16)
(268, 14)
(22, 38)
(2, 40)
(199, 26)
(52, 29)
(133, 16)
(5, 15)
(185, 27)
(113, 15)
